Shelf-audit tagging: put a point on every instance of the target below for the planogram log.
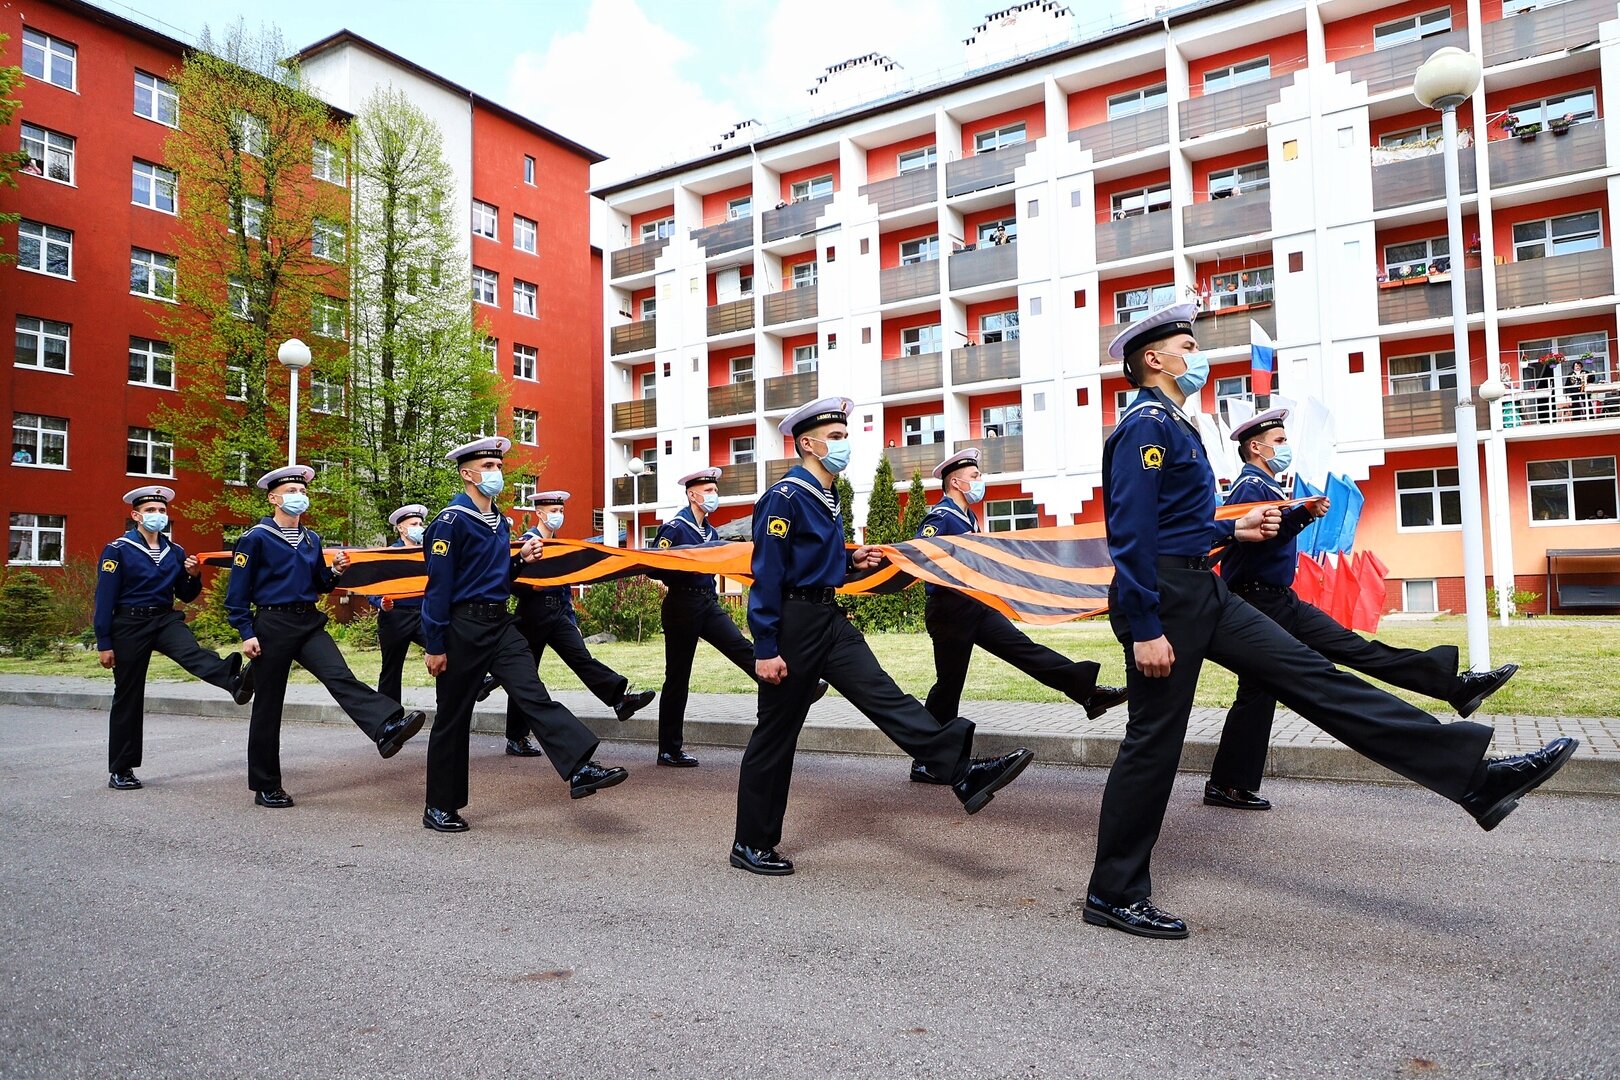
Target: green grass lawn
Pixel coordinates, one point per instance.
(1568, 666)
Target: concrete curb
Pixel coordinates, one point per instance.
(1583, 775)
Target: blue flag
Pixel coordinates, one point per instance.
(1344, 492)
(1307, 535)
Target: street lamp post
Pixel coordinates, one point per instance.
(1445, 81)
(294, 356)
(635, 467)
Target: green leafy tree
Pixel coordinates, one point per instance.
(10, 78)
(883, 526)
(882, 507)
(845, 491)
(916, 508)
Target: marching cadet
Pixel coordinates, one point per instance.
(277, 575)
(956, 622)
(399, 621)
(142, 574)
(1263, 575)
(800, 635)
(469, 634)
(546, 617)
(1170, 612)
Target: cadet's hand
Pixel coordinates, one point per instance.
(436, 663)
(106, 658)
(388, 603)
(866, 558)
(193, 565)
(250, 648)
(1258, 524)
(340, 562)
(772, 671)
(1319, 507)
(531, 549)
(1154, 658)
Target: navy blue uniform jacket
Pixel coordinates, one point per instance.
(265, 569)
(945, 518)
(129, 578)
(682, 530)
(798, 544)
(467, 562)
(1266, 562)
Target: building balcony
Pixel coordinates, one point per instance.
(1577, 148)
(1546, 30)
(785, 393)
(732, 399)
(1105, 337)
(726, 236)
(1393, 68)
(909, 374)
(635, 415)
(644, 493)
(1228, 329)
(996, 456)
(794, 220)
(1239, 107)
(908, 282)
(1428, 412)
(1555, 279)
(907, 461)
(775, 470)
(1400, 303)
(987, 170)
(1419, 179)
(1245, 214)
(983, 363)
(638, 259)
(739, 479)
(983, 265)
(791, 305)
(1127, 135)
(634, 337)
(914, 188)
(731, 317)
(1126, 238)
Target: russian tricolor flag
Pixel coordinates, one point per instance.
(1263, 358)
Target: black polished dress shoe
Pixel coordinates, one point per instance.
(275, 799)
(1140, 918)
(487, 687)
(1473, 687)
(1507, 780)
(399, 731)
(760, 860)
(631, 704)
(677, 759)
(523, 748)
(921, 775)
(822, 686)
(123, 780)
(986, 776)
(1233, 798)
(242, 681)
(443, 820)
(1104, 698)
(590, 778)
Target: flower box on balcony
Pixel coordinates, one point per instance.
(1527, 133)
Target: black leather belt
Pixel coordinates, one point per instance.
(811, 596)
(479, 611)
(700, 590)
(143, 612)
(1186, 562)
(557, 601)
(1256, 587)
(303, 607)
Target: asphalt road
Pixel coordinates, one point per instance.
(1354, 931)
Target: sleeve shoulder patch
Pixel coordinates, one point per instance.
(239, 559)
(663, 542)
(777, 527)
(440, 547)
(930, 530)
(1152, 456)
(109, 566)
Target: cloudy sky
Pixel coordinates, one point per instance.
(643, 81)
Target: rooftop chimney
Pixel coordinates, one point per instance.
(1017, 31)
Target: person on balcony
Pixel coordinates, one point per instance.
(1577, 387)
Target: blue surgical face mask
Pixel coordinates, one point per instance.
(156, 522)
(711, 502)
(414, 534)
(1192, 380)
(1281, 457)
(837, 457)
(294, 504)
(554, 521)
(492, 484)
(975, 491)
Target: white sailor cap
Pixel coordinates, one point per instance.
(545, 498)
(1155, 326)
(149, 493)
(409, 510)
(702, 476)
(287, 474)
(1259, 425)
(494, 446)
(961, 458)
(829, 410)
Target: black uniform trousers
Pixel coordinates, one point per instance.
(396, 629)
(957, 623)
(544, 621)
(818, 642)
(1201, 618)
(134, 639)
(691, 615)
(483, 639)
(1240, 761)
(285, 637)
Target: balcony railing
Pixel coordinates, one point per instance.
(984, 264)
(1128, 134)
(638, 259)
(1105, 338)
(1145, 234)
(1578, 148)
(742, 479)
(1577, 276)
(1428, 412)
(914, 188)
(794, 220)
(1225, 219)
(909, 460)
(634, 415)
(732, 399)
(1415, 303)
(908, 282)
(645, 492)
(1217, 331)
(1419, 179)
(775, 470)
(1393, 68)
(790, 305)
(987, 170)
(906, 374)
(635, 337)
(731, 317)
(787, 392)
(1547, 30)
(1238, 107)
(726, 236)
(982, 363)
(1003, 455)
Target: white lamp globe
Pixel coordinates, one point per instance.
(635, 466)
(293, 354)
(1446, 79)
(1493, 390)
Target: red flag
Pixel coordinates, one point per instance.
(1308, 579)
(1330, 584)
(1344, 596)
(1370, 594)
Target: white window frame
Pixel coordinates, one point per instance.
(1411, 28)
(528, 170)
(486, 220)
(254, 132)
(523, 489)
(662, 229)
(806, 358)
(325, 395)
(1007, 420)
(1007, 515)
(1567, 484)
(986, 142)
(1440, 481)
(1255, 176)
(44, 431)
(743, 450)
(159, 274)
(54, 151)
(486, 287)
(927, 429)
(40, 51)
(649, 386)
(1261, 289)
(817, 187)
(1572, 347)
(237, 477)
(1436, 250)
(525, 298)
(1549, 243)
(1411, 587)
(36, 528)
(921, 250)
(525, 234)
(1429, 372)
(916, 340)
(1141, 100)
(806, 274)
(1542, 111)
(1138, 202)
(737, 209)
(1127, 310)
(328, 316)
(1411, 136)
(526, 427)
(326, 163)
(742, 369)
(162, 99)
(162, 187)
(998, 326)
(238, 300)
(153, 356)
(924, 157)
(987, 229)
(525, 362)
(251, 220)
(1233, 75)
(44, 331)
(492, 349)
(327, 240)
(43, 240)
(648, 308)
(235, 382)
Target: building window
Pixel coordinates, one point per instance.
(1417, 258)
(238, 300)
(149, 453)
(742, 450)
(1137, 101)
(1002, 326)
(1230, 389)
(49, 153)
(912, 160)
(251, 132)
(36, 539)
(151, 363)
(1573, 490)
(325, 395)
(649, 308)
(236, 468)
(236, 386)
(1420, 595)
(742, 369)
(657, 230)
(740, 208)
(39, 440)
(492, 350)
(921, 250)
(1133, 304)
(325, 473)
(804, 275)
(152, 186)
(485, 220)
(1244, 178)
(525, 362)
(923, 430)
(1240, 287)
(1005, 515)
(42, 343)
(326, 163)
(523, 489)
(156, 99)
(1411, 136)
(1428, 499)
(486, 286)
(1558, 236)
(44, 249)
(525, 298)
(524, 232)
(528, 170)
(819, 188)
(326, 240)
(1412, 28)
(1592, 350)
(49, 59)
(1224, 78)
(152, 274)
(1001, 421)
(649, 385)
(526, 426)
(806, 358)
(1139, 201)
(1003, 231)
(328, 316)
(1011, 135)
(1576, 107)
(250, 220)
(921, 340)
(1423, 372)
